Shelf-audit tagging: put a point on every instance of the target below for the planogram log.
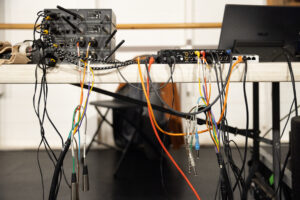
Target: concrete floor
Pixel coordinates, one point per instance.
(138, 178)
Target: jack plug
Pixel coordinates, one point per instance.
(74, 187)
(192, 163)
(197, 54)
(81, 42)
(53, 16)
(85, 179)
(197, 144)
(94, 43)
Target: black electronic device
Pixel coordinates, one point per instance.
(64, 28)
(261, 30)
(188, 56)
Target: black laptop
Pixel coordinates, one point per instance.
(264, 30)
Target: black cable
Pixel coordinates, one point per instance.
(247, 127)
(296, 110)
(236, 171)
(161, 87)
(285, 52)
(238, 149)
(286, 123)
(41, 94)
(226, 189)
(58, 184)
(164, 136)
(225, 137)
(57, 170)
(42, 130)
(282, 173)
(58, 133)
(224, 172)
(217, 189)
(41, 120)
(286, 116)
(40, 169)
(292, 80)
(232, 165)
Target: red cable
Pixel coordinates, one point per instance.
(162, 144)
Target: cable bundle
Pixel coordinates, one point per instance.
(40, 107)
(79, 112)
(212, 124)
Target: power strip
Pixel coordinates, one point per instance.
(188, 56)
(251, 58)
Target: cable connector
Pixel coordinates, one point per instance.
(203, 54)
(74, 187)
(85, 178)
(197, 144)
(46, 31)
(52, 16)
(151, 60)
(75, 15)
(192, 162)
(240, 58)
(198, 56)
(220, 160)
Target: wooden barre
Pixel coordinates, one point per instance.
(169, 26)
(133, 26)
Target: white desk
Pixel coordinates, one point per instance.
(184, 73)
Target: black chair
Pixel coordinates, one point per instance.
(130, 128)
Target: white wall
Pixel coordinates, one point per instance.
(18, 124)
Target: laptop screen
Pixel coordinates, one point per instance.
(260, 24)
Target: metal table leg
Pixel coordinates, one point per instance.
(276, 134)
(255, 155)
